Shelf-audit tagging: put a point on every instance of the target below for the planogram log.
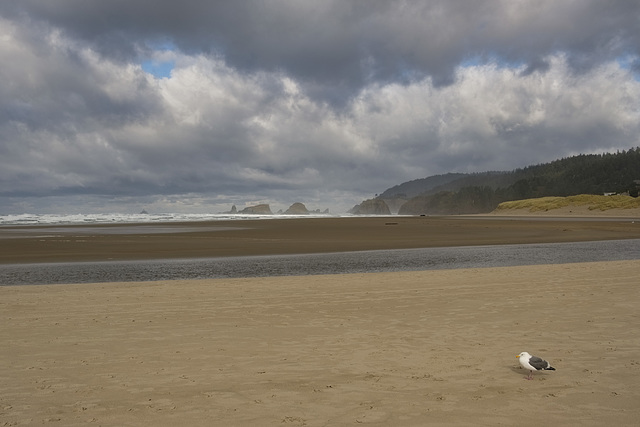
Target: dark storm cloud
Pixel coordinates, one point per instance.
(338, 46)
(51, 82)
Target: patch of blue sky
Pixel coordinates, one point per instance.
(473, 61)
(631, 63)
(161, 63)
(158, 69)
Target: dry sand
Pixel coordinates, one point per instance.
(388, 349)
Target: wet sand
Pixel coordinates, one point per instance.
(290, 236)
(410, 349)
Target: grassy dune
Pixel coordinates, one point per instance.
(590, 201)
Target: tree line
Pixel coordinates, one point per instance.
(582, 174)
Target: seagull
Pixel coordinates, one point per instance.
(533, 363)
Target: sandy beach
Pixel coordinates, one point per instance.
(412, 349)
(383, 349)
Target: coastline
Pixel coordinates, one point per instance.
(405, 348)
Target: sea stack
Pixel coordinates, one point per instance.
(262, 209)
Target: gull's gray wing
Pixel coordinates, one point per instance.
(538, 363)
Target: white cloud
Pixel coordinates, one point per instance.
(493, 118)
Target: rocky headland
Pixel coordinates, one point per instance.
(371, 207)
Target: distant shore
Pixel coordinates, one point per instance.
(291, 236)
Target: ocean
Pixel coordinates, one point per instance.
(119, 218)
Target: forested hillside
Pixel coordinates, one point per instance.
(479, 193)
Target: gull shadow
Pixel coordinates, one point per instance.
(524, 372)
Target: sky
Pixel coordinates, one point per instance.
(198, 105)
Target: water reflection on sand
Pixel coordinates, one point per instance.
(331, 263)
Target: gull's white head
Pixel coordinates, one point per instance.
(524, 354)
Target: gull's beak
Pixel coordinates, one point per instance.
(517, 356)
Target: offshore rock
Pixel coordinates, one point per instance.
(297, 209)
(233, 210)
(262, 209)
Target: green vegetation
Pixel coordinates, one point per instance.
(481, 193)
(593, 202)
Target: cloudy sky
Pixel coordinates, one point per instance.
(195, 105)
